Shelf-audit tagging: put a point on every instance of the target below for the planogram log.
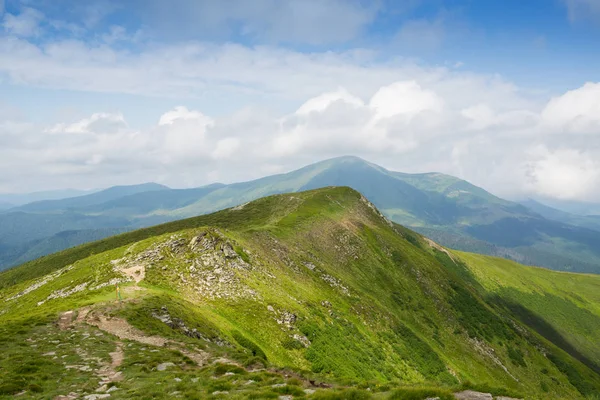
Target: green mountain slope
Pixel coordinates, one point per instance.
(451, 211)
(318, 287)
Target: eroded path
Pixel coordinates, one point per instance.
(120, 328)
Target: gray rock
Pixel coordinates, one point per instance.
(506, 398)
(472, 395)
(228, 251)
(97, 396)
(164, 366)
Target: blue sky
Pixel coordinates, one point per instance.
(502, 93)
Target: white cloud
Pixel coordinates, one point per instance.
(225, 148)
(577, 111)
(402, 126)
(406, 99)
(565, 174)
(322, 102)
(25, 24)
(181, 113)
(97, 123)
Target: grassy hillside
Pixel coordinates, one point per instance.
(313, 294)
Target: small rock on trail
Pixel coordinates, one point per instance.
(65, 320)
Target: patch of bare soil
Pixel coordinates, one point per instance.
(123, 330)
(108, 372)
(65, 320)
(137, 272)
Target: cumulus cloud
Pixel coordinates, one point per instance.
(402, 126)
(577, 111)
(565, 174)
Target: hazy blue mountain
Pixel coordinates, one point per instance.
(100, 197)
(151, 202)
(44, 227)
(585, 221)
(447, 209)
(4, 205)
(581, 208)
(17, 199)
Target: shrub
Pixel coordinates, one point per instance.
(249, 345)
(516, 356)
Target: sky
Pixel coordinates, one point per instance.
(504, 94)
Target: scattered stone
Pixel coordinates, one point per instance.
(472, 395)
(287, 397)
(177, 379)
(228, 373)
(51, 353)
(309, 391)
(302, 339)
(70, 396)
(288, 319)
(278, 385)
(97, 396)
(220, 392)
(112, 389)
(62, 293)
(270, 308)
(310, 266)
(102, 388)
(164, 366)
(506, 398)
(194, 380)
(40, 283)
(326, 304)
(250, 382)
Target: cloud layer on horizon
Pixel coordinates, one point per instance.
(279, 108)
(551, 151)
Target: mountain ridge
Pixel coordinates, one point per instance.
(316, 282)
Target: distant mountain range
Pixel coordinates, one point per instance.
(17, 199)
(449, 210)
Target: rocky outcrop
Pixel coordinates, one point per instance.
(178, 324)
